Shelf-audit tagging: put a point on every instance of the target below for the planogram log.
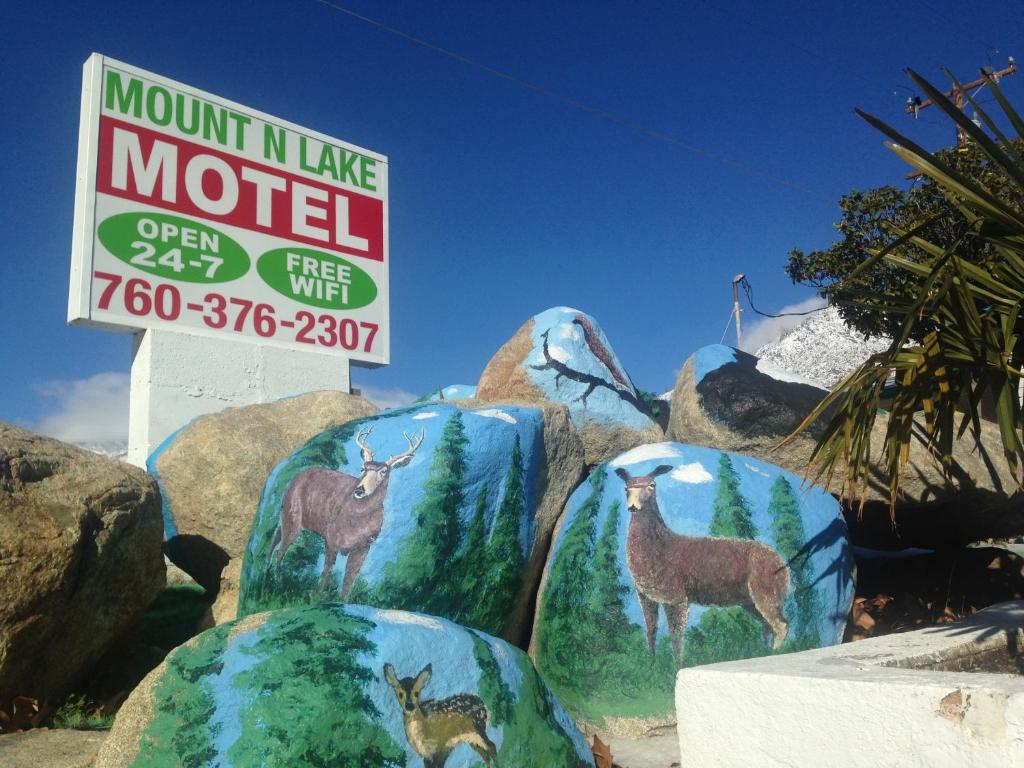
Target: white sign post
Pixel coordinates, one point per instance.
(195, 215)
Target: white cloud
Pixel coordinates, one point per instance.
(561, 354)
(425, 415)
(494, 413)
(646, 452)
(387, 397)
(752, 468)
(92, 410)
(692, 473)
(568, 331)
(769, 329)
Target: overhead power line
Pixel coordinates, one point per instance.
(604, 114)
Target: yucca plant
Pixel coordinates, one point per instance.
(967, 316)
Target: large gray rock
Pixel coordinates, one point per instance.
(561, 355)
(344, 685)
(730, 400)
(212, 471)
(80, 559)
(443, 508)
(45, 748)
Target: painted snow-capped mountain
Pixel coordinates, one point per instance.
(822, 349)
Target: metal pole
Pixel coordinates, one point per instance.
(736, 305)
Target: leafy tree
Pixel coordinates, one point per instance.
(873, 219)
(960, 334)
(731, 515)
(418, 578)
(504, 557)
(182, 731)
(306, 703)
(790, 539)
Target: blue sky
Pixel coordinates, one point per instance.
(504, 201)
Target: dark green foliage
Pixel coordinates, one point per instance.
(173, 617)
(566, 622)
(790, 539)
(181, 732)
(305, 698)
(503, 559)
(724, 634)
(873, 219)
(467, 565)
(607, 600)
(419, 577)
(731, 516)
(526, 739)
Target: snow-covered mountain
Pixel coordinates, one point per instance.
(822, 349)
(115, 450)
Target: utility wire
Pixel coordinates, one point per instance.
(583, 106)
(749, 291)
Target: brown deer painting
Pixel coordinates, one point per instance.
(345, 510)
(673, 570)
(435, 727)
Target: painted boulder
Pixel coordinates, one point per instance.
(344, 685)
(730, 400)
(673, 555)
(563, 356)
(212, 470)
(435, 508)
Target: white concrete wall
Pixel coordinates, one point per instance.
(842, 706)
(177, 377)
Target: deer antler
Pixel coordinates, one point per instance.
(367, 452)
(406, 455)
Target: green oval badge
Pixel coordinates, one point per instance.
(316, 278)
(174, 248)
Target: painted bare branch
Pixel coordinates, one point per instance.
(593, 382)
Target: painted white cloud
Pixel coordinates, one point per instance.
(768, 329)
(752, 468)
(387, 397)
(561, 354)
(425, 415)
(569, 331)
(452, 390)
(401, 617)
(90, 411)
(691, 473)
(494, 413)
(646, 452)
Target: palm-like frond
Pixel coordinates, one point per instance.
(974, 345)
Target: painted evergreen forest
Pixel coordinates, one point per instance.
(295, 691)
(595, 656)
(462, 560)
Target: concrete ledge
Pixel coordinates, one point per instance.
(904, 700)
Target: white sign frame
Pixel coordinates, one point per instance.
(86, 248)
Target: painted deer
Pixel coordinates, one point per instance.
(345, 510)
(673, 570)
(435, 727)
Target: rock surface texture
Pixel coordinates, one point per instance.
(212, 471)
(672, 556)
(80, 559)
(563, 356)
(45, 748)
(730, 400)
(441, 508)
(344, 685)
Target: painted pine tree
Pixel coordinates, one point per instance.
(790, 540)
(418, 579)
(731, 513)
(305, 703)
(566, 623)
(607, 601)
(467, 570)
(503, 558)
